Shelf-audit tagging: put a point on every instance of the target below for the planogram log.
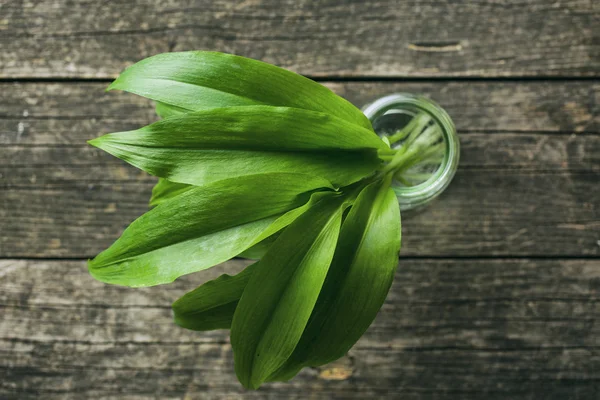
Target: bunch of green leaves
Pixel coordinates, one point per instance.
(257, 161)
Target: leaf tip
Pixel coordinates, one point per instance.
(248, 383)
(91, 266)
(97, 142)
(113, 86)
(176, 307)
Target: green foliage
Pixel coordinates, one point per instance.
(357, 284)
(200, 228)
(258, 161)
(196, 80)
(281, 293)
(165, 190)
(220, 143)
(211, 306)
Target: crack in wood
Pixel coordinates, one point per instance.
(436, 47)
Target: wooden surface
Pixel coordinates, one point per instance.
(498, 288)
(87, 38)
(499, 329)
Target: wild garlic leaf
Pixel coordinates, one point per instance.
(281, 293)
(211, 305)
(195, 80)
(265, 240)
(257, 251)
(357, 283)
(215, 144)
(165, 190)
(165, 110)
(200, 228)
(290, 216)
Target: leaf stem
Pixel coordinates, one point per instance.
(422, 143)
(415, 125)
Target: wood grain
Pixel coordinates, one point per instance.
(519, 329)
(351, 38)
(527, 184)
(459, 323)
(47, 167)
(484, 212)
(68, 113)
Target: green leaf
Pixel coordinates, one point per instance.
(202, 227)
(281, 293)
(165, 190)
(200, 79)
(357, 283)
(292, 215)
(257, 251)
(211, 305)
(215, 144)
(165, 110)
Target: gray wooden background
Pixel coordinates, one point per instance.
(497, 294)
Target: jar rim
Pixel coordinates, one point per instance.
(411, 197)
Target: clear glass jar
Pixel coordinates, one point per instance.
(423, 143)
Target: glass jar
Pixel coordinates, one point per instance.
(424, 146)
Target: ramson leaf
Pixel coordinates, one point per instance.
(165, 110)
(357, 283)
(281, 293)
(165, 190)
(215, 144)
(257, 251)
(202, 227)
(211, 305)
(196, 80)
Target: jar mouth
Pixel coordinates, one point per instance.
(413, 196)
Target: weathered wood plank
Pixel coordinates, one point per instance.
(41, 298)
(484, 212)
(44, 166)
(60, 198)
(85, 38)
(204, 371)
(468, 328)
(64, 114)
